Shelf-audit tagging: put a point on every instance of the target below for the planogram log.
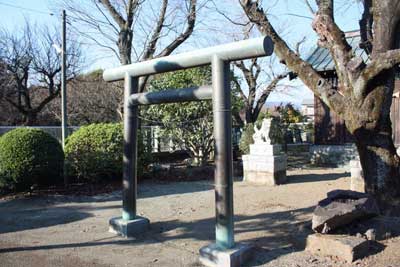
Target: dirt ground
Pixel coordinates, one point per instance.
(73, 231)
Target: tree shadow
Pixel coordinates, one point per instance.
(28, 218)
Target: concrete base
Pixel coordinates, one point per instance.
(128, 228)
(265, 178)
(267, 170)
(212, 256)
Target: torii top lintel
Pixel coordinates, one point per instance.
(251, 48)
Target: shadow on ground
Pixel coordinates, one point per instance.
(280, 232)
(36, 217)
(315, 177)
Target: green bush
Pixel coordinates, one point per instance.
(94, 152)
(29, 156)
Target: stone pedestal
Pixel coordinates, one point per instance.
(212, 256)
(357, 178)
(265, 164)
(128, 228)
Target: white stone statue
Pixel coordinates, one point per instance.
(261, 136)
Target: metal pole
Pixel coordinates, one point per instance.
(130, 150)
(223, 153)
(64, 122)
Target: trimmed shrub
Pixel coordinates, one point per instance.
(94, 152)
(27, 157)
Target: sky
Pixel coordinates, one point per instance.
(291, 18)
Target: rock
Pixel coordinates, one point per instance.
(347, 248)
(342, 207)
(370, 234)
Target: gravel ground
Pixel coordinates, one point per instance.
(73, 230)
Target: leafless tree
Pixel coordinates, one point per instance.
(364, 93)
(33, 69)
(135, 30)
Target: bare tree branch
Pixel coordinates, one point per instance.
(114, 13)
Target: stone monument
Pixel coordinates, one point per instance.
(357, 177)
(266, 164)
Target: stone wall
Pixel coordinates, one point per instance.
(332, 155)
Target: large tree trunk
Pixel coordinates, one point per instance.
(370, 124)
(380, 165)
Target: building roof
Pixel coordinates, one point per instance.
(321, 59)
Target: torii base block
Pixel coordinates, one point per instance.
(212, 256)
(128, 228)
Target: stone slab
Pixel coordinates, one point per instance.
(348, 248)
(128, 228)
(212, 256)
(265, 149)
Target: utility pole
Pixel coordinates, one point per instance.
(64, 122)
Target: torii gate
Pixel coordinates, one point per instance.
(224, 252)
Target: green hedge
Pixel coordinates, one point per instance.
(29, 156)
(94, 152)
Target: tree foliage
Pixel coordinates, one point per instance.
(188, 124)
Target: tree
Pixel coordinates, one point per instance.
(364, 93)
(253, 104)
(135, 26)
(256, 78)
(190, 125)
(33, 69)
(90, 100)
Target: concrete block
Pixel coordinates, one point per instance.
(212, 256)
(128, 228)
(348, 248)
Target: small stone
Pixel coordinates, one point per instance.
(370, 234)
